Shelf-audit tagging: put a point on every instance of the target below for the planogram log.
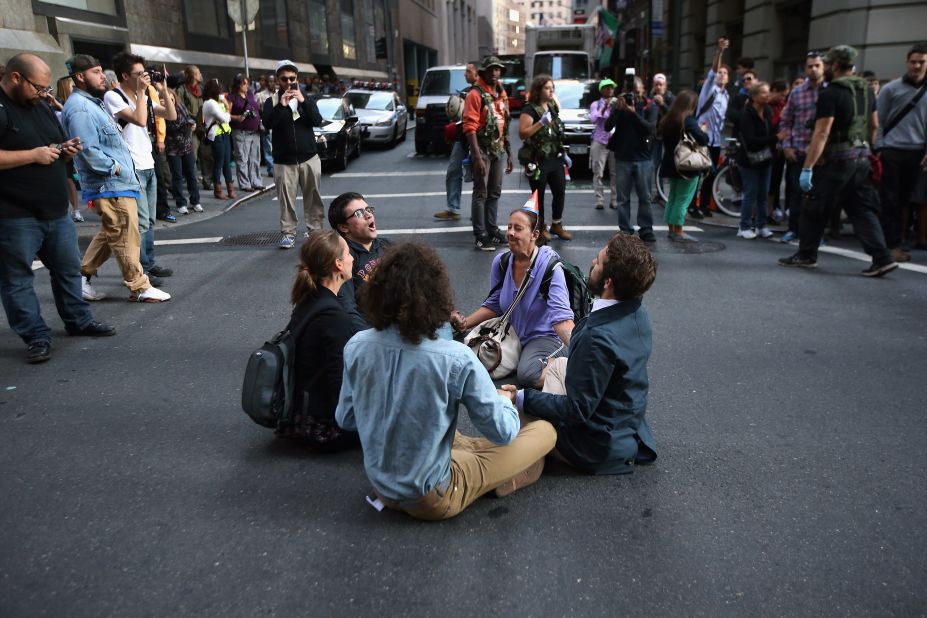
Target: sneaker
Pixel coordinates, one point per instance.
(695, 213)
(160, 271)
(682, 238)
(287, 242)
(183, 211)
(149, 295)
(613, 205)
(764, 232)
(789, 237)
(447, 215)
(778, 215)
(77, 217)
(600, 206)
(92, 329)
(483, 243)
(746, 234)
(197, 208)
(87, 291)
(706, 213)
(523, 479)
(649, 237)
(559, 230)
(798, 261)
(38, 352)
(170, 218)
(498, 238)
(878, 271)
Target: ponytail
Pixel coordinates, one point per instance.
(316, 263)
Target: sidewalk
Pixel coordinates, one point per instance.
(211, 208)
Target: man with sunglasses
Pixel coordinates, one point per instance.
(291, 116)
(34, 217)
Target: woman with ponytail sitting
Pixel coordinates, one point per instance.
(325, 263)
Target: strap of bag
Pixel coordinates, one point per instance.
(707, 105)
(907, 108)
(521, 290)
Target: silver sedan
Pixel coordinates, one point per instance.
(382, 114)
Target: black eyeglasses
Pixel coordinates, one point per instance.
(360, 213)
(39, 89)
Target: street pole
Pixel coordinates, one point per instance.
(244, 38)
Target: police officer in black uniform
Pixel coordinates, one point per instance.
(837, 168)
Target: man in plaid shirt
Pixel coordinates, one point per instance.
(795, 131)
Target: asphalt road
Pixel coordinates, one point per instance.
(788, 408)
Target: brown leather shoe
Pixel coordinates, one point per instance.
(557, 228)
(217, 192)
(545, 236)
(900, 255)
(523, 479)
(231, 190)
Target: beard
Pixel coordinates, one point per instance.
(595, 285)
(95, 92)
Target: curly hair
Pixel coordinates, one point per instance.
(630, 266)
(409, 289)
(537, 84)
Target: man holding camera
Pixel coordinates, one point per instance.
(134, 104)
(290, 117)
(634, 120)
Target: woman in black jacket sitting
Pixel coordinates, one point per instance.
(678, 120)
(755, 158)
(325, 263)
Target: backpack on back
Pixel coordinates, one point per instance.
(576, 285)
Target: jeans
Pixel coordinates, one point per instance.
(222, 160)
(163, 176)
(146, 216)
(756, 185)
(486, 192)
(183, 168)
(793, 194)
(453, 180)
(900, 169)
(267, 147)
(551, 175)
(641, 173)
(54, 241)
(846, 185)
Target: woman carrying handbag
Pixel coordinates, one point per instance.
(755, 159)
(680, 124)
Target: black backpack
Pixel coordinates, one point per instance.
(268, 392)
(577, 288)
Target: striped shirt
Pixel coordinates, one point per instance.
(797, 114)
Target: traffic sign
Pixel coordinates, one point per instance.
(237, 7)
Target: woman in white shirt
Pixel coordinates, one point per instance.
(216, 120)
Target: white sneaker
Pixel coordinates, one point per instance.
(287, 242)
(77, 217)
(764, 232)
(87, 291)
(197, 208)
(149, 295)
(183, 210)
(746, 234)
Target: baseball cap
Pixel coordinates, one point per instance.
(606, 83)
(286, 64)
(659, 77)
(79, 63)
(841, 54)
(491, 61)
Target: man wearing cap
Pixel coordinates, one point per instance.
(662, 98)
(290, 117)
(107, 176)
(486, 126)
(837, 166)
(599, 153)
(34, 217)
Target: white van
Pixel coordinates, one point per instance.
(430, 115)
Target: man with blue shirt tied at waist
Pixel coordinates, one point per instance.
(711, 111)
(597, 398)
(599, 154)
(107, 176)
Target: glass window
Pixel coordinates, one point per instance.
(371, 100)
(207, 17)
(273, 22)
(443, 82)
(335, 109)
(370, 31)
(574, 95)
(348, 35)
(107, 7)
(318, 26)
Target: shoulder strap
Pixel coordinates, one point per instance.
(707, 105)
(549, 276)
(503, 265)
(904, 112)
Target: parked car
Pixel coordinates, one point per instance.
(381, 113)
(430, 116)
(339, 137)
(575, 97)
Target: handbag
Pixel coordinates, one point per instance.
(759, 157)
(494, 341)
(690, 157)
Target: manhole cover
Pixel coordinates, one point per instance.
(705, 246)
(257, 239)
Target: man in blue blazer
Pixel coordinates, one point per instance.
(597, 398)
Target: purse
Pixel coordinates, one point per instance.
(494, 341)
(690, 157)
(760, 157)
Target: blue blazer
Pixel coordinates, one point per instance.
(600, 421)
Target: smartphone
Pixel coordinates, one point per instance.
(293, 87)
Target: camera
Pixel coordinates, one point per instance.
(248, 113)
(156, 76)
(628, 98)
(629, 87)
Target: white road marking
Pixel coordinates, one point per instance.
(382, 196)
(467, 228)
(386, 174)
(862, 257)
(190, 241)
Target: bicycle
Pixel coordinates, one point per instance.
(727, 188)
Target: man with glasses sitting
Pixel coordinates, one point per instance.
(291, 116)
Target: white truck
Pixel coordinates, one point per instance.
(563, 52)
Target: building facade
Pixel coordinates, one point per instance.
(547, 12)
(501, 27)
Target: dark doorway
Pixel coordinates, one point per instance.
(103, 52)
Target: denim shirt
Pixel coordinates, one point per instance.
(403, 400)
(85, 116)
(714, 115)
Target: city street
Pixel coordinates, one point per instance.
(787, 405)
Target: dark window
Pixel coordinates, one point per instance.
(318, 26)
(348, 34)
(207, 17)
(274, 32)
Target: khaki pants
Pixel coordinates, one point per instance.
(118, 236)
(478, 466)
(306, 176)
(555, 376)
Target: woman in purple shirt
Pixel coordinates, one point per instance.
(543, 324)
(246, 134)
